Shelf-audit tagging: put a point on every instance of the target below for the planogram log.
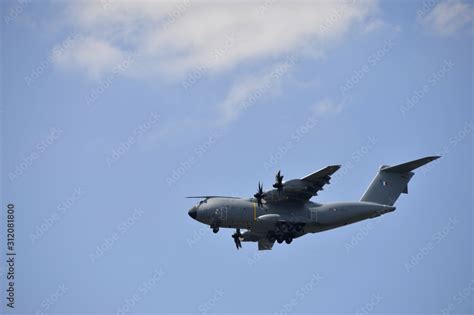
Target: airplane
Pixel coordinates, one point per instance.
(286, 212)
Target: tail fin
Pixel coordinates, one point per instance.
(391, 181)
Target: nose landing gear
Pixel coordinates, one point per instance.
(215, 228)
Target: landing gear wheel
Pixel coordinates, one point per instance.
(280, 240)
(215, 230)
(288, 240)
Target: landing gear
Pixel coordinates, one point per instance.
(214, 227)
(237, 238)
(285, 232)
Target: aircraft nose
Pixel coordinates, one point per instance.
(193, 212)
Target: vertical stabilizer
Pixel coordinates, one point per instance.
(391, 181)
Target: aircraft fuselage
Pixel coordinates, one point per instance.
(314, 217)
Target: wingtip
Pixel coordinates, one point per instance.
(431, 158)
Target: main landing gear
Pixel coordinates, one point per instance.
(285, 233)
(283, 238)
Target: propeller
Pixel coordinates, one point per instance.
(259, 195)
(236, 236)
(278, 182)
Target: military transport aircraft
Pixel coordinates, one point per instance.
(286, 212)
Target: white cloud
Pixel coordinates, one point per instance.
(328, 107)
(374, 25)
(241, 96)
(171, 129)
(248, 91)
(449, 17)
(172, 39)
(94, 57)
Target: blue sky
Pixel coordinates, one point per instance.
(113, 112)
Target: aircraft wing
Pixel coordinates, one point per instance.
(321, 177)
(303, 189)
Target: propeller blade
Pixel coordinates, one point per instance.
(236, 236)
(259, 195)
(278, 182)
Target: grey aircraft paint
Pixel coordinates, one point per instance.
(286, 212)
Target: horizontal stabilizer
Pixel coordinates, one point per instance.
(409, 166)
